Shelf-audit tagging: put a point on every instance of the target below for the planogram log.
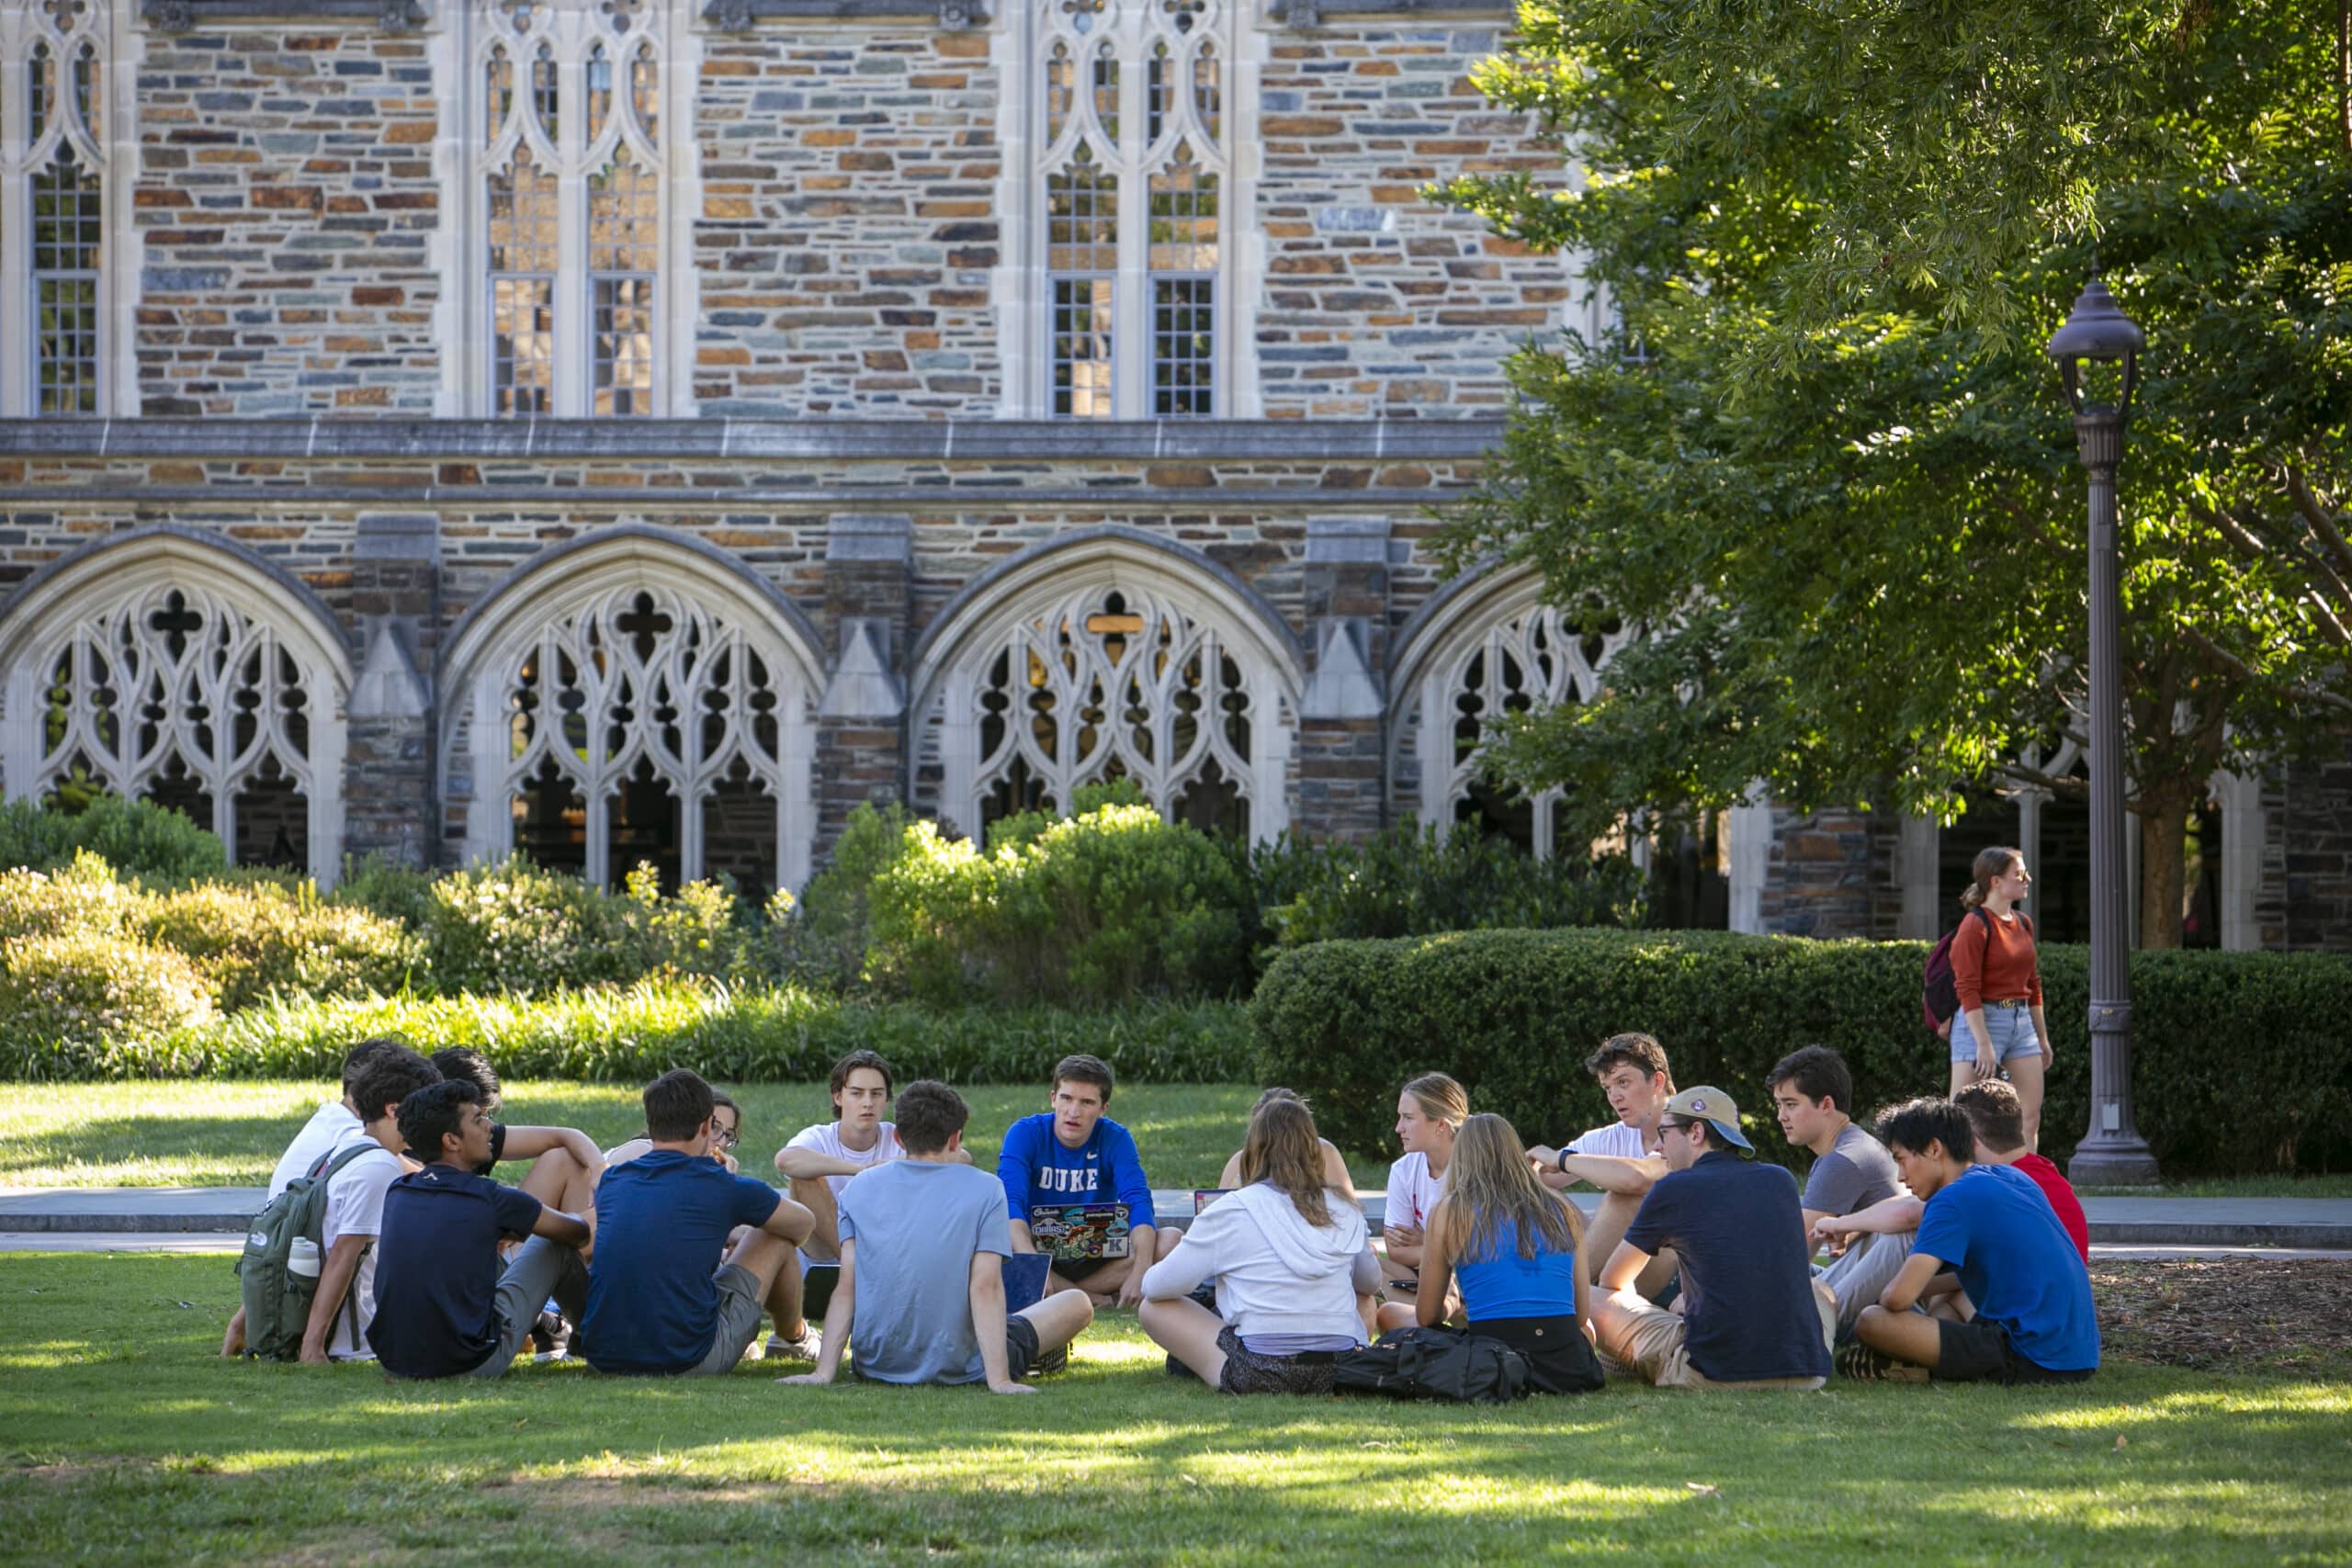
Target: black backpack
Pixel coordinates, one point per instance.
(1433, 1363)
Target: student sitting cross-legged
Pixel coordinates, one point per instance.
(666, 1293)
(1813, 1092)
(1290, 1254)
(1750, 1313)
(443, 1306)
(345, 1302)
(1511, 1243)
(1623, 1159)
(565, 1161)
(1335, 1168)
(923, 1244)
(1429, 1111)
(2034, 1321)
(1070, 1159)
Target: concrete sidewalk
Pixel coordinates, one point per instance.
(2314, 1224)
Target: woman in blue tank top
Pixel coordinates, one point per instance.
(1509, 1244)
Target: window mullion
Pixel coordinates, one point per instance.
(1131, 353)
(573, 302)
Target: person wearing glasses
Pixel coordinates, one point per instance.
(1749, 1313)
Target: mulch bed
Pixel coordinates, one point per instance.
(2237, 1315)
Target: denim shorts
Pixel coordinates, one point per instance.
(2009, 1026)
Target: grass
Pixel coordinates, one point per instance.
(128, 1443)
(229, 1134)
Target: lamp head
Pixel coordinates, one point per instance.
(2097, 329)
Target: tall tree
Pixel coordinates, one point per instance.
(1818, 452)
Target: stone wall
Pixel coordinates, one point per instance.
(1376, 301)
(847, 233)
(1820, 880)
(2306, 901)
(287, 202)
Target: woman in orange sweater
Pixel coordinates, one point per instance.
(1998, 976)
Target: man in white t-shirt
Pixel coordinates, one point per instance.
(1623, 1159)
(326, 1129)
(345, 1302)
(819, 1161)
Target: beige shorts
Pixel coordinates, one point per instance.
(1647, 1342)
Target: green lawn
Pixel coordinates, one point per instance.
(126, 1442)
(220, 1134)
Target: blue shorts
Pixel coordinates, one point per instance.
(2009, 1026)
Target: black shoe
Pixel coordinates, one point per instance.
(1054, 1361)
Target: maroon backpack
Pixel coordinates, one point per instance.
(1939, 992)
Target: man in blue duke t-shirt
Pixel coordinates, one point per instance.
(1750, 1314)
(1992, 1224)
(444, 1308)
(664, 1294)
(1073, 1155)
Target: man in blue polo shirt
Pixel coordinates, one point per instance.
(2034, 1320)
(1750, 1314)
(664, 1294)
(1073, 1155)
(444, 1308)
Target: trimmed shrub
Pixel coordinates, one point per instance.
(135, 837)
(259, 937)
(1111, 903)
(398, 893)
(69, 996)
(2241, 1061)
(824, 940)
(632, 1033)
(511, 926)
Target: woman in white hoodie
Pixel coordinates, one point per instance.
(1290, 1257)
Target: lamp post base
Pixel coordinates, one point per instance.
(2115, 1164)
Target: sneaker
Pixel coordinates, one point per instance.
(552, 1336)
(1861, 1362)
(805, 1348)
(1054, 1361)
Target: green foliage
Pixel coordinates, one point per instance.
(1090, 909)
(76, 975)
(259, 938)
(1822, 457)
(824, 940)
(398, 893)
(137, 838)
(512, 926)
(1513, 1014)
(1414, 881)
(630, 1033)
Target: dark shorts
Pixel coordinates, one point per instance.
(1246, 1371)
(1981, 1352)
(1559, 1359)
(1019, 1346)
(1077, 1268)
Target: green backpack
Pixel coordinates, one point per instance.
(278, 1272)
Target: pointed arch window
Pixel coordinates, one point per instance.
(570, 187)
(53, 210)
(1133, 174)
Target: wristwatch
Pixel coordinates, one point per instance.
(1561, 1164)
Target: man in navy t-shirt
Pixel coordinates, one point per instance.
(443, 1307)
(1750, 1315)
(2034, 1320)
(664, 1294)
(1072, 1156)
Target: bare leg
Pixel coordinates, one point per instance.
(233, 1343)
(1396, 1315)
(1368, 1309)
(2025, 1076)
(1606, 1229)
(816, 1195)
(1962, 1074)
(1188, 1331)
(764, 1257)
(562, 1183)
(1058, 1318)
(784, 1301)
(1906, 1335)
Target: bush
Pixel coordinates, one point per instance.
(134, 837)
(71, 996)
(1416, 881)
(511, 926)
(1089, 909)
(629, 1034)
(398, 893)
(2241, 1060)
(824, 942)
(260, 937)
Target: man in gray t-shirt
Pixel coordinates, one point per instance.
(924, 1245)
(1852, 1170)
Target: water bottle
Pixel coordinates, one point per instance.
(304, 1257)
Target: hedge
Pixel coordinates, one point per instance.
(629, 1034)
(2241, 1061)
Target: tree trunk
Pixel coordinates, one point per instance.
(2163, 857)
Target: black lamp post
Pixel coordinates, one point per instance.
(2113, 1153)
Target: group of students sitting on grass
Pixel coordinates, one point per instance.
(1954, 1250)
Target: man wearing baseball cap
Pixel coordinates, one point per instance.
(1750, 1313)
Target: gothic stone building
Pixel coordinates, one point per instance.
(644, 429)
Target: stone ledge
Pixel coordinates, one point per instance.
(996, 496)
(757, 441)
(738, 15)
(185, 15)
